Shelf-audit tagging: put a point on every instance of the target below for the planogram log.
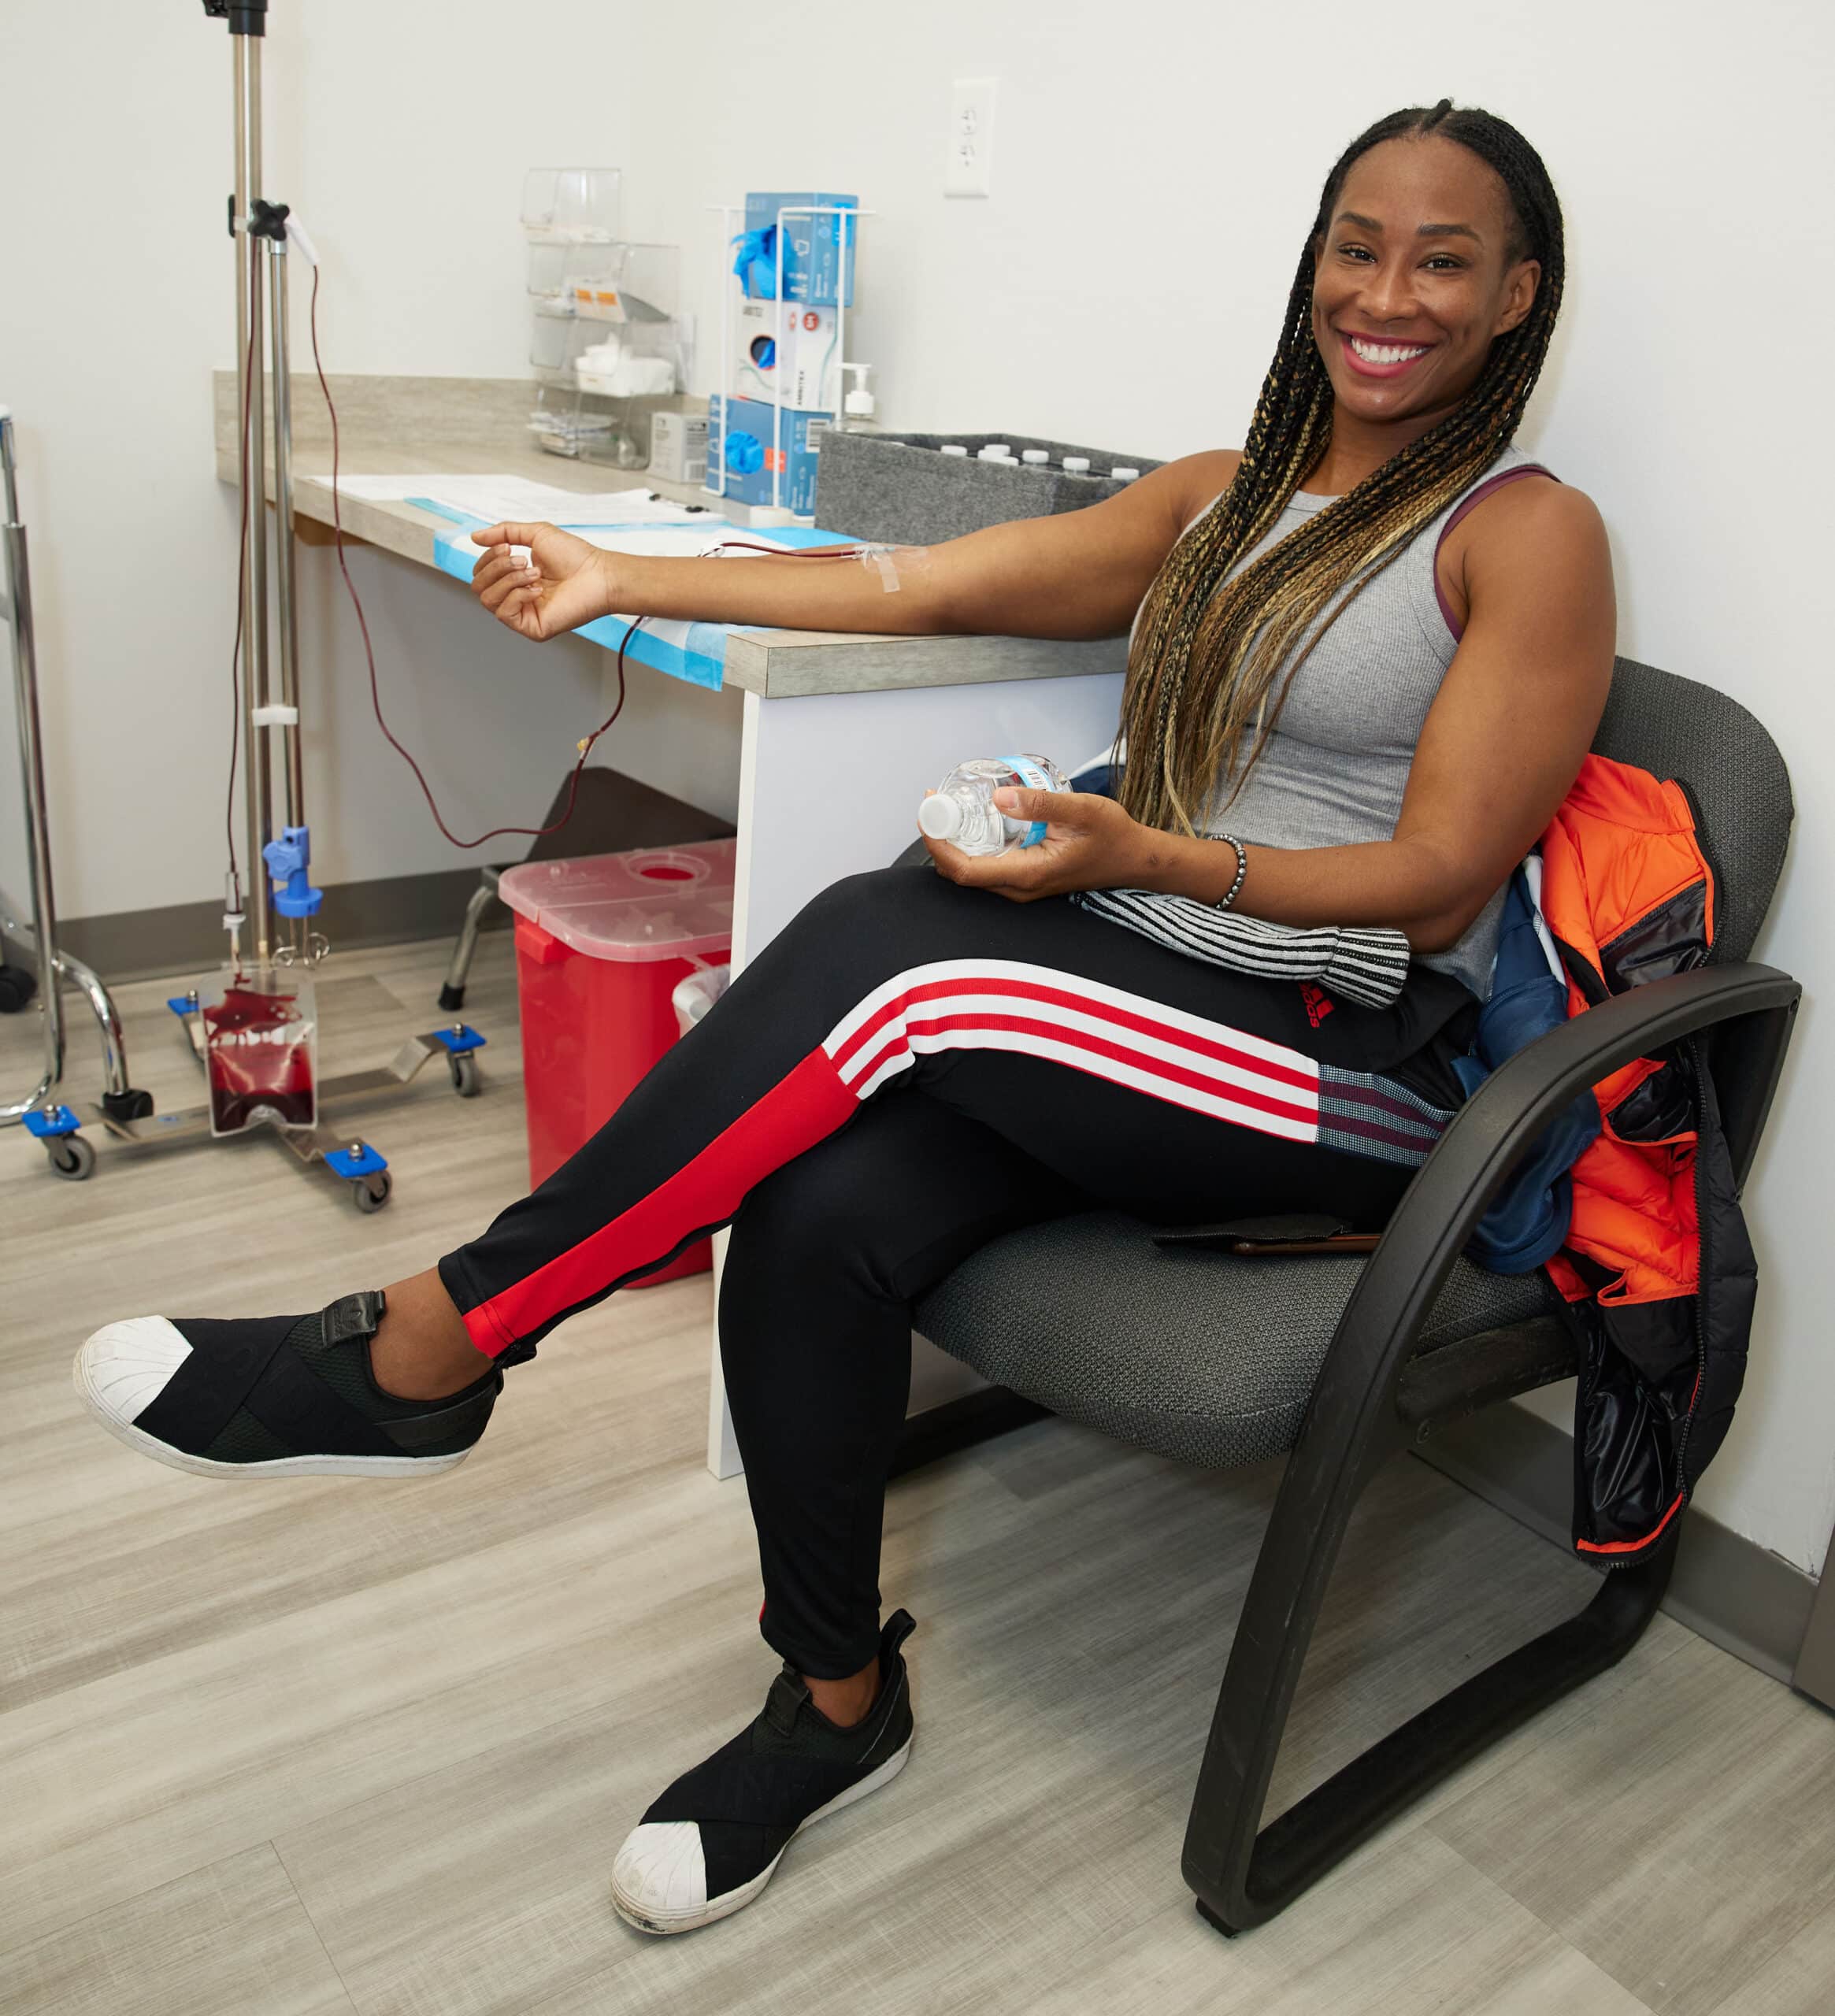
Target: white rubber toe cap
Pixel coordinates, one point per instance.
(125, 1367)
(659, 1881)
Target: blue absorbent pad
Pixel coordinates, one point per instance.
(694, 652)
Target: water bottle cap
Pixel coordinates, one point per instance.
(953, 448)
(1034, 455)
(940, 816)
(1075, 465)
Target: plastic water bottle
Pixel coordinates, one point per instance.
(962, 809)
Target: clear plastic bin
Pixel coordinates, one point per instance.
(572, 206)
(625, 282)
(601, 945)
(564, 425)
(555, 340)
(550, 271)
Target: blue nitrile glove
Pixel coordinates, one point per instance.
(755, 263)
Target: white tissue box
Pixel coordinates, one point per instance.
(678, 446)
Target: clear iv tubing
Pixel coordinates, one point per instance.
(496, 832)
(631, 629)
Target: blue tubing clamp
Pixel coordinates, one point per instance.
(288, 858)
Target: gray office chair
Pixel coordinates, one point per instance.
(1345, 1359)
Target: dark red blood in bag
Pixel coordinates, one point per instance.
(259, 1048)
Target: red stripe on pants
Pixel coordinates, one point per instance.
(801, 1109)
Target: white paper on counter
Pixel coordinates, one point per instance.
(495, 498)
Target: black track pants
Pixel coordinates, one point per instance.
(905, 1072)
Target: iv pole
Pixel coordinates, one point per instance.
(261, 234)
(262, 296)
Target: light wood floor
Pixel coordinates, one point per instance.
(273, 1749)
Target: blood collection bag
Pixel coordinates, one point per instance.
(261, 1046)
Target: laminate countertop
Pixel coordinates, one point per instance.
(477, 426)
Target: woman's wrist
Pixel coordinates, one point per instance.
(1174, 864)
(607, 587)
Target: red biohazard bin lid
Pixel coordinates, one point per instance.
(651, 903)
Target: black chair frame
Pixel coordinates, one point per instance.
(1374, 1395)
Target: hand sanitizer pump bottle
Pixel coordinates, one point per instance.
(860, 405)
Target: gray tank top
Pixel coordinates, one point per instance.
(1334, 770)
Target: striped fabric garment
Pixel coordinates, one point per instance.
(1208, 1067)
(1367, 963)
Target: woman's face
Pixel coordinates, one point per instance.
(1413, 279)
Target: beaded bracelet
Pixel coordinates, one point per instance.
(1242, 868)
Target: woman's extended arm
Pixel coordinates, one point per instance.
(1501, 747)
(1079, 575)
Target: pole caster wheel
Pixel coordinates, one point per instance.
(370, 1193)
(16, 987)
(130, 1105)
(71, 1157)
(462, 1067)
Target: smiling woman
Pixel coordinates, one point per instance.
(913, 1066)
(1418, 323)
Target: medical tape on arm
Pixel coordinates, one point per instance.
(890, 563)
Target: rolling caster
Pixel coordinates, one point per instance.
(54, 1128)
(71, 1158)
(366, 1173)
(16, 988)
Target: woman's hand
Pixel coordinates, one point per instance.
(1090, 842)
(563, 583)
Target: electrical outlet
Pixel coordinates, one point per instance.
(967, 172)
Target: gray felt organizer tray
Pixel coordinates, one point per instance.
(901, 488)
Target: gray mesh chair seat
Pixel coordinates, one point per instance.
(1206, 1356)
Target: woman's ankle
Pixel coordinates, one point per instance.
(421, 1349)
(846, 1702)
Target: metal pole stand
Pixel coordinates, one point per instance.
(52, 1122)
(279, 919)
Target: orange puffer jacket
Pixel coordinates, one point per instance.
(1656, 1273)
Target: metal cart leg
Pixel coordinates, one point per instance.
(52, 966)
(452, 994)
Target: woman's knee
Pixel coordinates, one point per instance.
(816, 1219)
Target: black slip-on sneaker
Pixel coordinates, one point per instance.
(711, 1843)
(275, 1396)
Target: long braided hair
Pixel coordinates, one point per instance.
(1208, 649)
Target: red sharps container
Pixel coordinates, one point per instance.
(600, 945)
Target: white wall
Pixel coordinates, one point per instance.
(1156, 166)
(116, 303)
